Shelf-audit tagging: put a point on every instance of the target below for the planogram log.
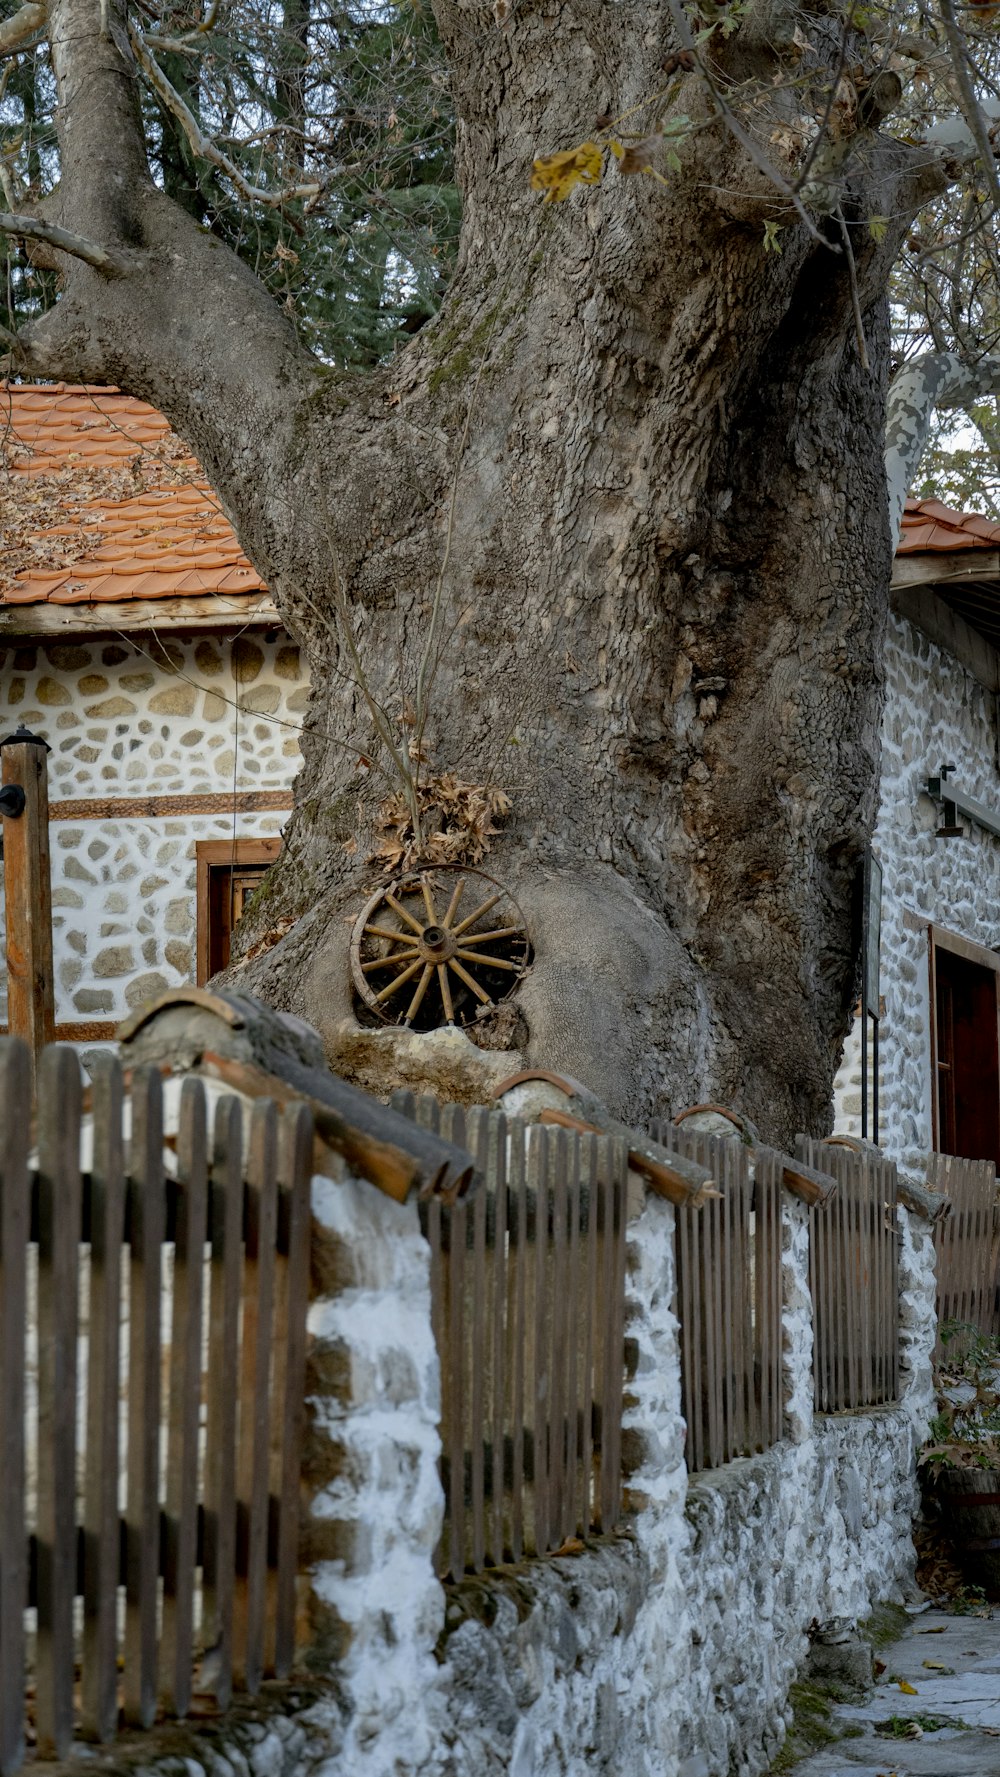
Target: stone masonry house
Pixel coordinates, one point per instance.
(139, 642)
(136, 638)
(938, 843)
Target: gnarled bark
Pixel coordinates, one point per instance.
(649, 454)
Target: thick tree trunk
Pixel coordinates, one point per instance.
(625, 499)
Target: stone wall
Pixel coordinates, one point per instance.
(666, 1650)
(936, 714)
(130, 719)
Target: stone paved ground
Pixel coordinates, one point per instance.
(967, 1696)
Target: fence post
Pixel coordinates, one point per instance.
(27, 889)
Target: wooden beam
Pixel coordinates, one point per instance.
(28, 893)
(922, 606)
(215, 611)
(131, 808)
(938, 566)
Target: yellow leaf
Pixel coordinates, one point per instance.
(556, 174)
(908, 1690)
(616, 149)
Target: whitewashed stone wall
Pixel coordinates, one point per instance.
(936, 714)
(664, 1651)
(125, 719)
(667, 1651)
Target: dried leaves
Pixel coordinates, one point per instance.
(52, 518)
(558, 174)
(458, 821)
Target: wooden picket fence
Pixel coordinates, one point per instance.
(152, 1324)
(527, 1291)
(728, 1257)
(967, 1244)
(853, 1279)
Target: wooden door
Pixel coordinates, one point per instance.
(968, 1064)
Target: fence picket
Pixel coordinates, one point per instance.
(180, 1538)
(290, 1369)
(59, 1227)
(145, 1210)
(101, 1554)
(225, 1231)
(15, 1212)
(252, 1466)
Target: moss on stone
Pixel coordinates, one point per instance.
(887, 1623)
(813, 1726)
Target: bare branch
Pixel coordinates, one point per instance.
(25, 23)
(936, 380)
(203, 145)
(971, 109)
(107, 260)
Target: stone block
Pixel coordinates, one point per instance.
(178, 918)
(287, 663)
(93, 999)
(262, 700)
(178, 955)
(68, 656)
(246, 660)
(176, 700)
(137, 681)
(50, 692)
(145, 987)
(110, 707)
(92, 684)
(78, 872)
(117, 959)
(207, 659)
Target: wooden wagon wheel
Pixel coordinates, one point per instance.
(440, 947)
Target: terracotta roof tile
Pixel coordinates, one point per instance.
(930, 525)
(165, 537)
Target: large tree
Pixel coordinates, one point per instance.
(610, 535)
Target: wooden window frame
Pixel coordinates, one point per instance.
(209, 854)
(939, 938)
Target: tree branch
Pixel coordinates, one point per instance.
(25, 23)
(202, 145)
(936, 380)
(970, 107)
(107, 260)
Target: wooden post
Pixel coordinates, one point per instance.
(28, 891)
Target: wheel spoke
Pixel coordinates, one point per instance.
(414, 924)
(473, 917)
(386, 993)
(414, 1005)
(490, 962)
(453, 903)
(428, 901)
(487, 937)
(446, 1000)
(394, 937)
(463, 975)
(383, 962)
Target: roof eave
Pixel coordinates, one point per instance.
(255, 611)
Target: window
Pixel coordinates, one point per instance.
(228, 872)
(966, 1058)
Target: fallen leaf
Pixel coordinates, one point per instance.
(938, 1629)
(572, 1546)
(938, 1666)
(908, 1690)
